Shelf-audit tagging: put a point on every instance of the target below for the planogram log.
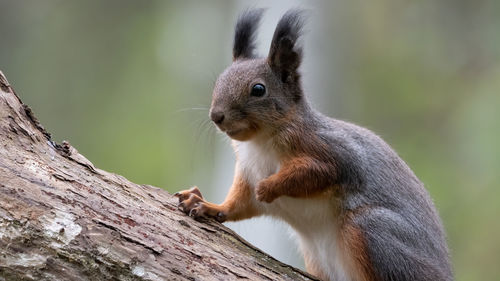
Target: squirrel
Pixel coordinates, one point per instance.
(359, 211)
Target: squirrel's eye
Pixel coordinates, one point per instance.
(258, 90)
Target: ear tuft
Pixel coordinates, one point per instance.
(285, 55)
(244, 35)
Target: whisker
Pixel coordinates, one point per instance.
(192, 109)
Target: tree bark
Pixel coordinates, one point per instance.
(61, 218)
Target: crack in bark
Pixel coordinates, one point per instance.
(128, 238)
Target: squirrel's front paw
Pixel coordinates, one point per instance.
(191, 202)
(265, 192)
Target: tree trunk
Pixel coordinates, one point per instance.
(61, 218)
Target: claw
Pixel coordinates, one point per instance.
(180, 204)
(196, 191)
(177, 194)
(193, 213)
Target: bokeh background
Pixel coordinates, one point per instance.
(129, 83)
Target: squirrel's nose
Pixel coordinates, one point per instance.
(217, 117)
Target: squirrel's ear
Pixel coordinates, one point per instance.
(285, 55)
(244, 33)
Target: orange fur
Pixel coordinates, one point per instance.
(354, 250)
(239, 202)
(298, 177)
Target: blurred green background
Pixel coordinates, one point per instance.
(129, 83)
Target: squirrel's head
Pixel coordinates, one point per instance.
(255, 94)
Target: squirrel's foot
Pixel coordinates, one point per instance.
(192, 203)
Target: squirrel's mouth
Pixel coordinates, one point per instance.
(241, 134)
(234, 132)
(240, 131)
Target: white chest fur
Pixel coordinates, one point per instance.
(256, 160)
(314, 220)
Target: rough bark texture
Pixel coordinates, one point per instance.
(61, 218)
